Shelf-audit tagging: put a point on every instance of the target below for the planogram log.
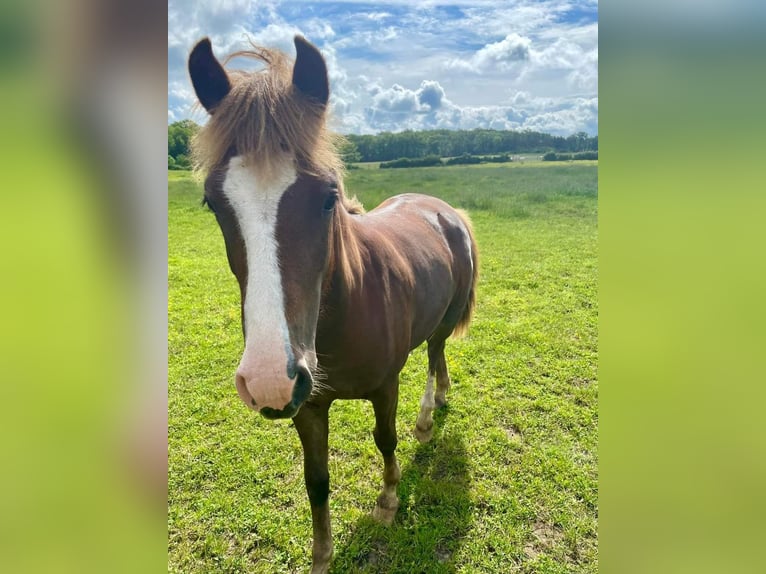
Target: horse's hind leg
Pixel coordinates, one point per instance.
(384, 403)
(437, 375)
(442, 381)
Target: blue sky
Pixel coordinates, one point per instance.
(517, 64)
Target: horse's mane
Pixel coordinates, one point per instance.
(264, 116)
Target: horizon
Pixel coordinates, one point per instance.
(595, 135)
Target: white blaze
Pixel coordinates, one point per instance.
(267, 341)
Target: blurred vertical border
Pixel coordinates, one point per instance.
(682, 282)
(83, 352)
(83, 286)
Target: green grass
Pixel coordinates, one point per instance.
(509, 482)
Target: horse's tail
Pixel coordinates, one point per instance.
(465, 319)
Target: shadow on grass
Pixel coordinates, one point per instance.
(435, 514)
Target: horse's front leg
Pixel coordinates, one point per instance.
(312, 426)
(384, 403)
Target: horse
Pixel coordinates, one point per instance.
(333, 298)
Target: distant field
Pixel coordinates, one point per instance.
(509, 482)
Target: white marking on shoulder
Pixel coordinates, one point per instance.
(255, 204)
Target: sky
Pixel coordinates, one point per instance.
(415, 64)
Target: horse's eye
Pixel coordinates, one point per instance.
(329, 203)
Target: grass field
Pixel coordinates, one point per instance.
(509, 482)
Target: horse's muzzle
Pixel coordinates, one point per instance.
(301, 392)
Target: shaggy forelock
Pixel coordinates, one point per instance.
(265, 119)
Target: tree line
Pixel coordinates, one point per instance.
(388, 146)
(435, 160)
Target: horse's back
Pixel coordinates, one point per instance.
(421, 219)
(436, 240)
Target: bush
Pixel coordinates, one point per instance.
(464, 159)
(467, 158)
(502, 158)
(427, 161)
(552, 156)
(432, 160)
(182, 162)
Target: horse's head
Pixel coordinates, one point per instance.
(273, 184)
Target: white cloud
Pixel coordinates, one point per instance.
(502, 54)
(377, 16)
(317, 29)
(428, 107)
(429, 97)
(496, 56)
(279, 35)
(379, 38)
(431, 94)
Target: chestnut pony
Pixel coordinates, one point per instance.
(333, 298)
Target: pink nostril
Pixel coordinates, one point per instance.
(263, 383)
(243, 393)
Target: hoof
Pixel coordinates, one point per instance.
(440, 401)
(424, 436)
(321, 555)
(385, 509)
(384, 516)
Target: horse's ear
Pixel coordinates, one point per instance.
(310, 71)
(210, 80)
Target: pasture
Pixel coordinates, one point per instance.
(509, 481)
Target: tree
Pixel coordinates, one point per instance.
(179, 140)
(349, 152)
(182, 162)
